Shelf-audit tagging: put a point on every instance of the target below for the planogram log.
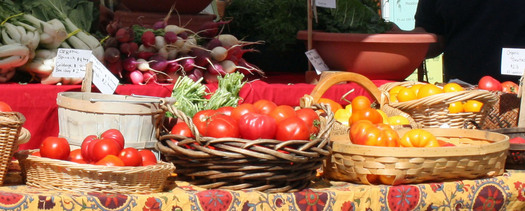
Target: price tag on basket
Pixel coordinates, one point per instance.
(316, 61)
(103, 79)
(512, 61)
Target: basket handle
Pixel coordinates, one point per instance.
(333, 78)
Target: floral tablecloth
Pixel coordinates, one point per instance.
(505, 192)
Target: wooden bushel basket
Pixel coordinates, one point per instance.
(82, 113)
(351, 162)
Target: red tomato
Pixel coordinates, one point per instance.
(110, 160)
(311, 118)
(489, 83)
(130, 157)
(114, 134)
(148, 157)
(282, 112)
(86, 144)
(366, 113)
(4, 107)
(293, 128)
(254, 126)
(36, 153)
(76, 156)
(225, 110)
(221, 125)
(104, 147)
(181, 128)
(264, 106)
(243, 109)
(200, 120)
(510, 87)
(55, 147)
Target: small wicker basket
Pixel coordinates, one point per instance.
(12, 134)
(70, 176)
(239, 164)
(355, 163)
(516, 155)
(432, 111)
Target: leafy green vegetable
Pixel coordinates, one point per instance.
(227, 94)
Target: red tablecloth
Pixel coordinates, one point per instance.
(37, 102)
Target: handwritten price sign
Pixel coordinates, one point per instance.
(71, 63)
(512, 61)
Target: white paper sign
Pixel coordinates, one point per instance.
(325, 3)
(316, 61)
(71, 63)
(512, 61)
(103, 79)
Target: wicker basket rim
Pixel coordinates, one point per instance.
(341, 144)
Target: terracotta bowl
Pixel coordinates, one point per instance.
(388, 56)
(182, 6)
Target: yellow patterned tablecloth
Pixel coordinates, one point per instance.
(505, 192)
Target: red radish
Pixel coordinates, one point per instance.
(159, 25)
(158, 63)
(236, 52)
(173, 67)
(129, 48)
(111, 42)
(248, 68)
(215, 68)
(113, 27)
(210, 78)
(188, 64)
(136, 77)
(148, 38)
(196, 75)
(111, 55)
(219, 53)
(170, 37)
(215, 42)
(145, 54)
(130, 64)
(115, 68)
(124, 34)
(201, 56)
(149, 77)
(211, 29)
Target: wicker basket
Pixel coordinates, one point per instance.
(516, 155)
(69, 176)
(504, 113)
(333, 78)
(414, 165)
(432, 111)
(238, 164)
(12, 134)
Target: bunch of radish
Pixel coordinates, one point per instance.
(160, 54)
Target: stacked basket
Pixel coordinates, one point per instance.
(11, 135)
(432, 111)
(239, 164)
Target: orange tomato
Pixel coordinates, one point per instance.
(510, 87)
(369, 113)
(387, 179)
(455, 107)
(334, 106)
(4, 107)
(452, 87)
(428, 90)
(360, 102)
(418, 138)
(406, 94)
(365, 132)
(472, 106)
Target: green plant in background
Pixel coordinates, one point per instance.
(277, 22)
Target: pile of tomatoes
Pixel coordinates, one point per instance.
(261, 120)
(492, 84)
(108, 149)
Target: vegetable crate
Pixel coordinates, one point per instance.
(11, 135)
(138, 118)
(432, 111)
(240, 164)
(484, 155)
(70, 176)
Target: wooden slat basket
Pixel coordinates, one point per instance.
(82, 113)
(355, 163)
(12, 134)
(239, 164)
(432, 111)
(64, 175)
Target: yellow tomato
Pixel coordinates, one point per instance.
(416, 88)
(406, 94)
(398, 120)
(452, 87)
(343, 115)
(395, 90)
(472, 106)
(383, 114)
(455, 107)
(418, 138)
(428, 90)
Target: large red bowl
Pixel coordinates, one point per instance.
(389, 56)
(182, 6)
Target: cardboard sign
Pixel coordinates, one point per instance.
(316, 61)
(71, 63)
(512, 61)
(103, 79)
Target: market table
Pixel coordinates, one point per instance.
(505, 192)
(37, 102)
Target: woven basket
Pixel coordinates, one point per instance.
(12, 134)
(334, 78)
(504, 113)
(354, 163)
(432, 111)
(70, 176)
(516, 155)
(239, 164)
